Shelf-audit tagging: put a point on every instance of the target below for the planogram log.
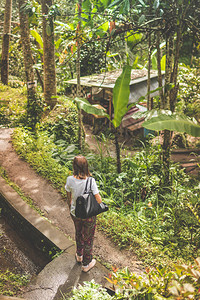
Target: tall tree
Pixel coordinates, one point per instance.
(49, 53)
(78, 72)
(172, 31)
(6, 41)
(28, 64)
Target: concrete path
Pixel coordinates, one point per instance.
(60, 276)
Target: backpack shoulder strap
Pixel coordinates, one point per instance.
(86, 184)
(89, 179)
(90, 183)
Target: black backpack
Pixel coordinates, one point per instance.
(87, 205)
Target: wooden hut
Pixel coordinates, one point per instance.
(98, 89)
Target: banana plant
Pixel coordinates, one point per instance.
(121, 94)
(89, 108)
(154, 59)
(173, 122)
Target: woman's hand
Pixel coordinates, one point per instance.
(98, 198)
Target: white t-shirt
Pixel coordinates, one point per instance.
(77, 187)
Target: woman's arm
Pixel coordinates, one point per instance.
(98, 198)
(69, 199)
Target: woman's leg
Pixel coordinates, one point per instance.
(89, 226)
(78, 223)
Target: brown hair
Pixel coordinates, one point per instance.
(80, 167)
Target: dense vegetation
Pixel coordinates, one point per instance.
(142, 207)
(162, 218)
(181, 282)
(154, 205)
(160, 224)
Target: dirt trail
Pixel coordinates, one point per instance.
(54, 206)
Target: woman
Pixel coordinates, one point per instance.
(84, 228)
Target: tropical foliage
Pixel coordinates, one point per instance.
(181, 282)
(154, 205)
(89, 290)
(188, 100)
(173, 122)
(141, 207)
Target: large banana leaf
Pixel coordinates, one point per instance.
(173, 122)
(121, 93)
(90, 109)
(115, 2)
(106, 2)
(133, 37)
(38, 38)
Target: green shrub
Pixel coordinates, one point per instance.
(138, 196)
(89, 290)
(62, 122)
(36, 149)
(35, 107)
(181, 282)
(189, 101)
(13, 102)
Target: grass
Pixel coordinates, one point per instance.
(12, 284)
(120, 229)
(10, 94)
(13, 103)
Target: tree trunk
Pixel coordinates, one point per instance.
(28, 63)
(168, 80)
(49, 55)
(166, 156)
(26, 45)
(149, 76)
(117, 147)
(159, 70)
(149, 106)
(174, 91)
(40, 79)
(172, 59)
(6, 41)
(168, 71)
(78, 74)
(165, 99)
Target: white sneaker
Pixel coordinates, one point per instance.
(89, 266)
